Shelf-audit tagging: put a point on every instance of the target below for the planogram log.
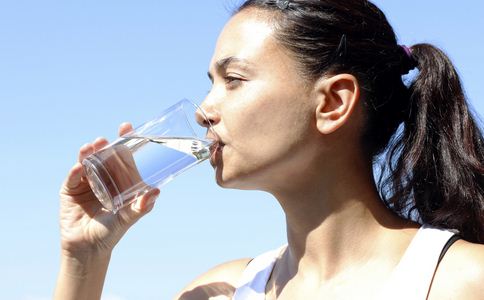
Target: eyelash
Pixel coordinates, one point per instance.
(233, 81)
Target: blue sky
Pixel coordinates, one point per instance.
(71, 71)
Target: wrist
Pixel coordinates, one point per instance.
(81, 264)
(81, 276)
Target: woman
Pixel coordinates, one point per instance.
(306, 95)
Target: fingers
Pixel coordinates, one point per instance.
(125, 128)
(144, 204)
(90, 148)
(100, 143)
(73, 179)
(76, 174)
(85, 151)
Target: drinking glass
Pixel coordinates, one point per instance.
(150, 156)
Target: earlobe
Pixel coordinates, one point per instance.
(337, 98)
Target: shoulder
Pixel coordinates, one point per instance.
(218, 283)
(460, 274)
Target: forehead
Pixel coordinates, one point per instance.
(248, 35)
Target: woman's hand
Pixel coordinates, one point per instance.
(86, 227)
(89, 232)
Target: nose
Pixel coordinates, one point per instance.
(206, 115)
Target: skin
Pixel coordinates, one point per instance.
(88, 232)
(299, 141)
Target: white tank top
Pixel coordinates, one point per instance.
(410, 280)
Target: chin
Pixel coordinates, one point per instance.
(236, 181)
(226, 181)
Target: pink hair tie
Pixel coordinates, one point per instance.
(407, 50)
(410, 62)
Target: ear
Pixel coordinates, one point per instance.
(337, 96)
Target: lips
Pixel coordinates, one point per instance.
(216, 152)
(217, 147)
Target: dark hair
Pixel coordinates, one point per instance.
(434, 166)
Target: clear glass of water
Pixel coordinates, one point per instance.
(150, 156)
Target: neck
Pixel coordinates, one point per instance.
(337, 224)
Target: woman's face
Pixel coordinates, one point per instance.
(260, 107)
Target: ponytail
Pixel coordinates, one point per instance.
(438, 160)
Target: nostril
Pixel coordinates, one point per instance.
(202, 118)
(206, 119)
(208, 122)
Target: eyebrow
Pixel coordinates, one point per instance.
(223, 64)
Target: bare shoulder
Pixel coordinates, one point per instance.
(460, 274)
(218, 283)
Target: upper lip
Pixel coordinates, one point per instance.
(215, 137)
(217, 145)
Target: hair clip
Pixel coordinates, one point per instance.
(282, 4)
(342, 46)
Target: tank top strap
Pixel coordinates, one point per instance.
(255, 276)
(411, 278)
(413, 275)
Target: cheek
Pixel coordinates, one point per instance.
(267, 106)
(255, 121)
(265, 127)
(265, 130)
